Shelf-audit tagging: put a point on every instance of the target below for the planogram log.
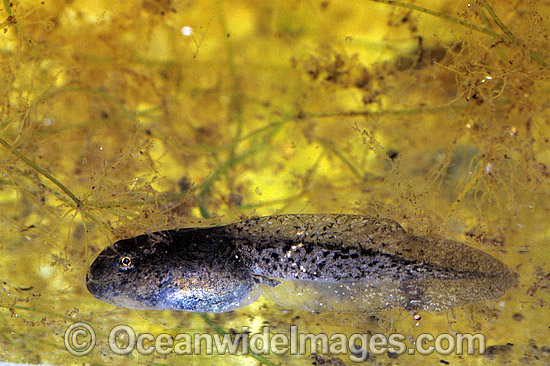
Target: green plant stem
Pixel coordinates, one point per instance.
(535, 56)
(508, 35)
(48, 176)
(342, 157)
(438, 15)
(499, 22)
(236, 108)
(235, 89)
(205, 186)
(439, 109)
(7, 6)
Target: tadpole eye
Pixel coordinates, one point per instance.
(125, 262)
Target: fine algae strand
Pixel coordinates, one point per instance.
(312, 262)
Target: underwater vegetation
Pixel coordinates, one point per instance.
(124, 118)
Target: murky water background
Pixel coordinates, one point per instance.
(125, 118)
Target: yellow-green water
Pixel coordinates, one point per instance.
(116, 120)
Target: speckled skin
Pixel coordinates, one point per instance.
(185, 269)
(323, 262)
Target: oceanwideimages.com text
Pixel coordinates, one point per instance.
(80, 340)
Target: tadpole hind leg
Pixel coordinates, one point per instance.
(262, 280)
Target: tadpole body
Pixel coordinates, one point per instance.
(313, 262)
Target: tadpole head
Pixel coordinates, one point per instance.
(117, 275)
(171, 270)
